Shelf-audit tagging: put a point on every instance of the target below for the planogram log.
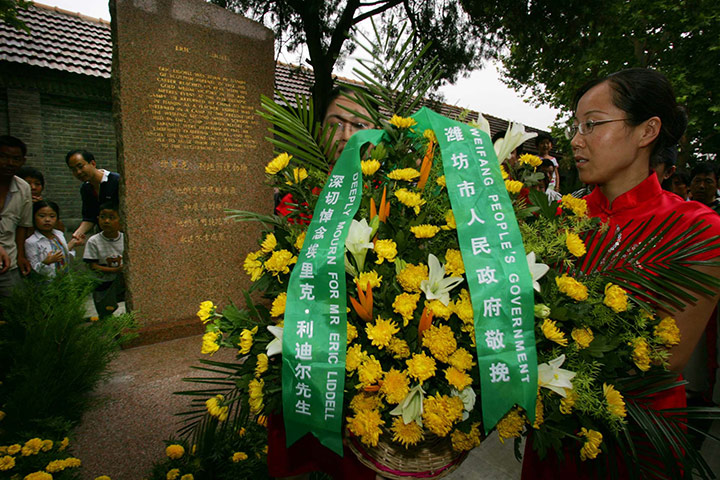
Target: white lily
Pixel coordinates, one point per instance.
(468, 398)
(537, 270)
(437, 286)
(358, 241)
(411, 408)
(514, 137)
(482, 124)
(552, 377)
(275, 345)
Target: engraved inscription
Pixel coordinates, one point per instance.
(198, 111)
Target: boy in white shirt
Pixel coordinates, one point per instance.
(104, 254)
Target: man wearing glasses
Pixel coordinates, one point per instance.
(15, 214)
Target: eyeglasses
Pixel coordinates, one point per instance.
(587, 127)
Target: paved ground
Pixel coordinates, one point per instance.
(124, 435)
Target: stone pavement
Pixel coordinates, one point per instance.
(123, 436)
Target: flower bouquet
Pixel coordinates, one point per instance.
(422, 294)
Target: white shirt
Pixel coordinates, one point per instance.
(99, 248)
(38, 247)
(17, 212)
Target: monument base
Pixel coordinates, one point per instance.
(163, 332)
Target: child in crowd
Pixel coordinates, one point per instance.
(104, 254)
(46, 249)
(36, 180)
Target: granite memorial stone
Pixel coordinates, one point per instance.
(187, 80)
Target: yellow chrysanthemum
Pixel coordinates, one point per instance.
(591, 447)
(352, 332)
(280, 262)
(511, 425)
(206, 311)
(385, 250)
(354, 357)
(300, 240)
(572, 288)
(463, 442)
(370, 371)
(504, 172)
(366, 425)
(38, 476)
(216, 408)
(405, 305)
(14, 449)
(406, 434)
(395, 386)
(278, 305)
(399, 348)
(567, 403)
(255, 395)
(667, 332)
(175, 451)
(441, 181)
(369, 167)
(457, 378)
(402, 122)
(574, 244)
(461, 359)
(440, 413)
(577, 205)
(246, 340)
(615, 298)
(530, 159)
(539, 413)
(421, 367)
(513, 186)
(440, 340)
(454, 266)
(269, 244)
(299, 174)
(47, 445)
(253, 266)
(439, 309)
(410, 199)
(209, 343)
(641, 353)
(239, 457)
(463, 307)
(615, 402)
(187, 476)
(411, 276)
(553, 333)
(370, 277)
(278, 163)
(424, 230)
(173, 474)
(60, 465)
(64, 444)
(366, 401)
(429, 135)
(450, 223)
(405, 174)
(262, 364)
(582, 336)
(381, 332)
(103, 477)
(6, 463)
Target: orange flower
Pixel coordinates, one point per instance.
(364, 307)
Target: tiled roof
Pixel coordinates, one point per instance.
(70, 42)
(59, 40)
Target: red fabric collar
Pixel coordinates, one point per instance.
(647, 191)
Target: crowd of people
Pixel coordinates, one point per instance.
(32, 235)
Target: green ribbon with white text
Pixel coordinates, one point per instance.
(315, 331)
(495, 266)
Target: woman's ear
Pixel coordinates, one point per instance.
(650, 129)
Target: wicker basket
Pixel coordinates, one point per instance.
(434, 457)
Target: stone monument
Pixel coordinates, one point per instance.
(187, 80)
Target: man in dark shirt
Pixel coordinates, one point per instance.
(704, 184)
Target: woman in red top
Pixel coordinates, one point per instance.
(622, 123)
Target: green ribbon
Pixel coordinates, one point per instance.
(315, 332)
(495, 264)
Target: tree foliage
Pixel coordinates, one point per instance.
(9, 10)
(326, 28)
(554, 47)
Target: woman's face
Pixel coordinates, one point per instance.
(610, 153)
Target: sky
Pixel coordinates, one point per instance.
(482, 90)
